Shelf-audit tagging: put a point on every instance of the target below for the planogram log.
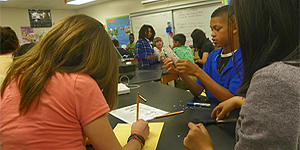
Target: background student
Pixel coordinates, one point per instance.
(222, 71)
(179, 48)
(23, 49)
(201, 44)
(269, 117)
(144, 52)
(158, 48)
(9, 44)
(131, 44)
(58, 93)
(122, 51)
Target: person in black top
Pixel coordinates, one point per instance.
(201, 44)
(122, 51)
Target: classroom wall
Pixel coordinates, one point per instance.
(17, 17)
(117, 8)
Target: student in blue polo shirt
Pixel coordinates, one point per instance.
(269, 116)
(222, 72)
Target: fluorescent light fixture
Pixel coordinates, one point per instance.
(79, 2)
(149, 1)
(3, 0)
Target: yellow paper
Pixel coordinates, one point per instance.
(123, 130)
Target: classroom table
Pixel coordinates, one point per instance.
(147, 74)
(175, 127)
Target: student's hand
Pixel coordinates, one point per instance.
(170, 66)
(197, 138)
(162, 57)
(142, 127)
(187, 67)
(227, 106)
(197, 60)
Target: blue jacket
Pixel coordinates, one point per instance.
(142, 50)
(232, 75)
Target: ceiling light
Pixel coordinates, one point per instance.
(79, 2)
(3, 0)
(149, 1)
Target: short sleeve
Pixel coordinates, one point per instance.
(206, 66)
(89, 100)
(237, 78)
(207, 47)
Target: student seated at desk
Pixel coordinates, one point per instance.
(222, 72)
(58, 94)
(182, 51)
(22, 50)
(269, 117)
(122, 51)
(203, 45)
(9, 43)
(131, 44)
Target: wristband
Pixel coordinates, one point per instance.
(138, 133)
(138, 138)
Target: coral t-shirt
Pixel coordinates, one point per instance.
(71, 102)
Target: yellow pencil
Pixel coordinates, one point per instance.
(137, 106)
(170, 114)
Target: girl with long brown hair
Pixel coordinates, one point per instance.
(59, 92)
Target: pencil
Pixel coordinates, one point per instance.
(170, 114)
(137, 106)
(144, 99)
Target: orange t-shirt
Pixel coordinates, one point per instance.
(71, 101)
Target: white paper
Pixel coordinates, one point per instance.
(171, 54)
(123, 89)
(128, 113)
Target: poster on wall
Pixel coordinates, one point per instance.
(39, 18)
(225, 2)
(119, 28)
(27, 34)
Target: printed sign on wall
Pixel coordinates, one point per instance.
(27, 34)
(40, 18)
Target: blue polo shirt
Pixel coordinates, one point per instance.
(232, 75)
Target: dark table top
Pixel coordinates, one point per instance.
(175, 127)
(147, 74)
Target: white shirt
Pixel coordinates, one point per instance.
(5, 61)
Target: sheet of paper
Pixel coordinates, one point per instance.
(123, 89)
(128, 113)
(122, 132)
(171, 54)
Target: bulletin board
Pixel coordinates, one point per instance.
(119, 28)
(184, 19)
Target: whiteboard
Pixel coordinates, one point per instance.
(157, 20)
(188, 19)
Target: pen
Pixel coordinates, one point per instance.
(170, 114)
(137, 106)
(198, 104)
(144, 99)
(208, 122)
